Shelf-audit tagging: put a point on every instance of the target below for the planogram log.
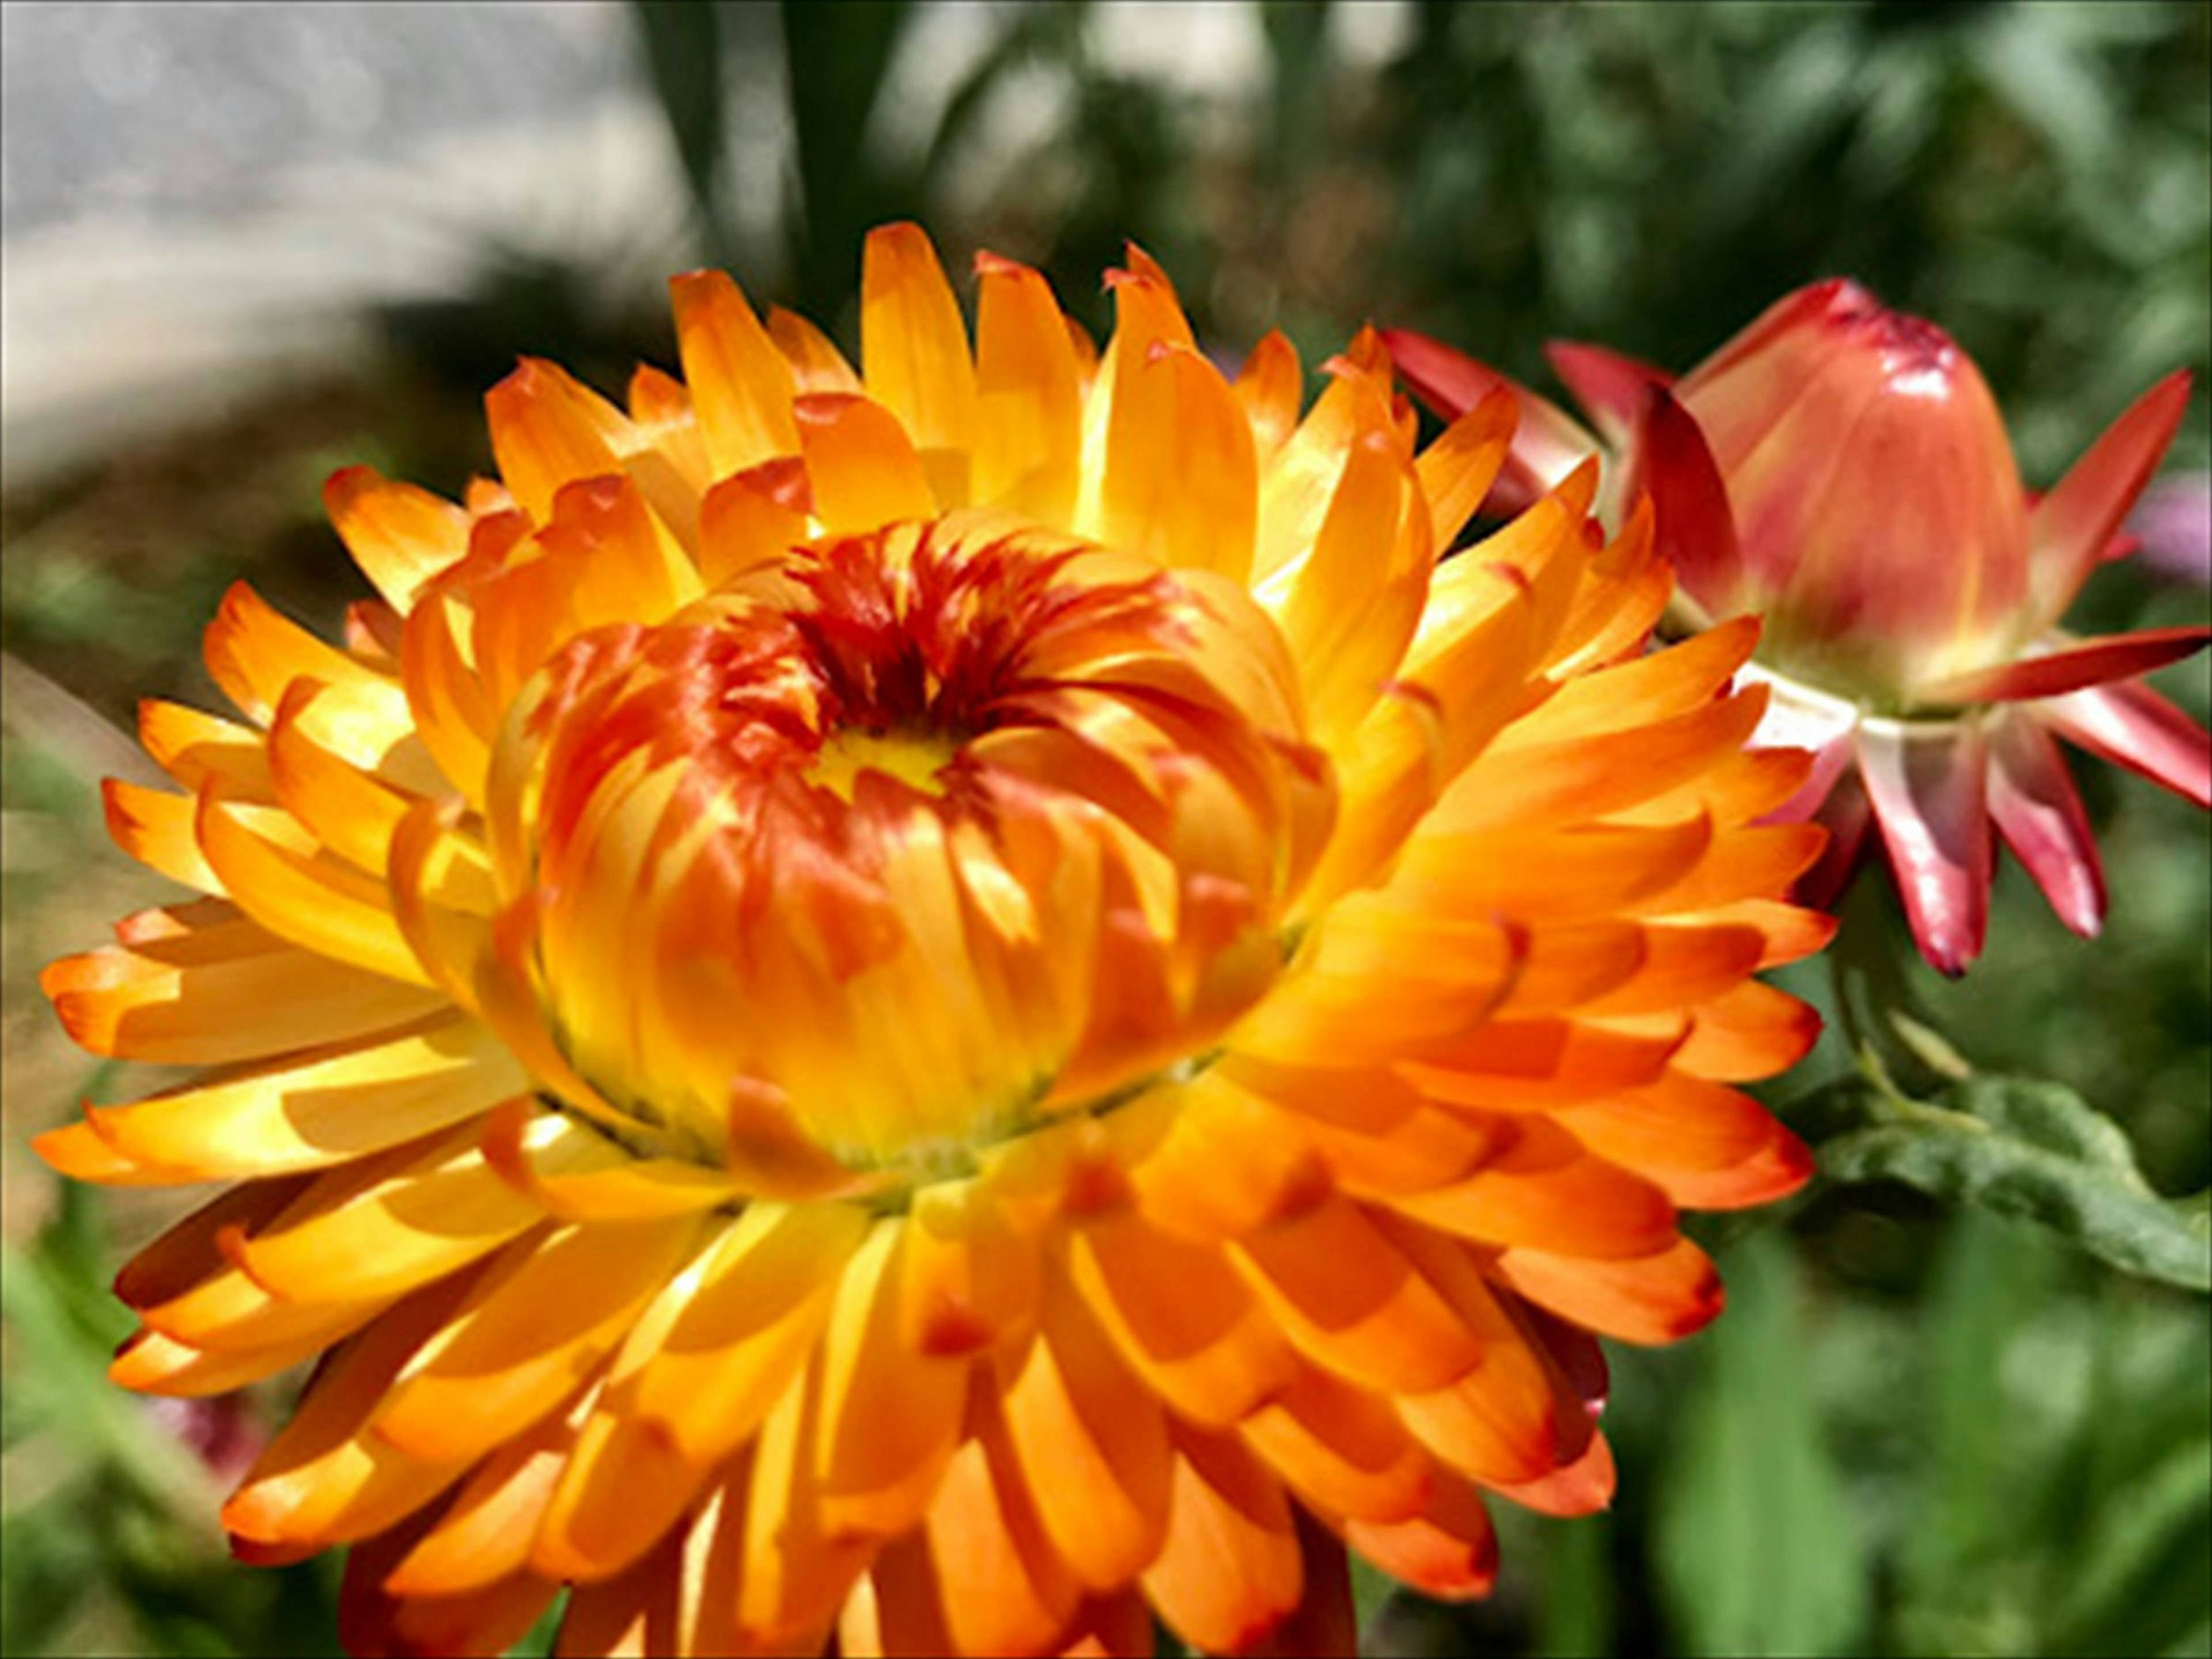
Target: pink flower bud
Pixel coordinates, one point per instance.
(1881, 520)
(1843, 469)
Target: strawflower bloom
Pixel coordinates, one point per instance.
(940, 1007)
(1842, 469)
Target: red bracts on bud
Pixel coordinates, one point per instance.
(1843, 470)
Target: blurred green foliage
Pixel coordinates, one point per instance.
(1921, 1429)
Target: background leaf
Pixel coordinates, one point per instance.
(1756, 1551)
(2035, 1150)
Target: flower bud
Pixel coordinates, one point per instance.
(1842, 469)
(1880, 518)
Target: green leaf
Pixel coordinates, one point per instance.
(2035, 1150)
(1577, 1613)
(69, 1373)
(2048, 82)
(1756, 1550)
(684, 56)
(1986, 1288)
(1370, 1588)
(835, 58)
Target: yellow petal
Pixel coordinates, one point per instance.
(913, 354)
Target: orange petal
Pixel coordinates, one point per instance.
(817, 365)
(1029, 399)
(253, 654)
(221, 992)
(1092, 1444)
(1583, 1486)
(453, 712)
(890, 1418)
(322, 1107)
(149, 1362)
(864, 469)
(346, 801)
(399, 536)
(1747, 1032)
(636, 1614)
(534, 1326)
(1230, 1571)
(1449, 1551)
(913, 354)
(274, 871)
(159, 829)
(324, 1477)
(752, 520)
(1501, 1420)
(548, 431)
(387, 1223)
(1350, 1300)
(1003, 1586)
(742, 1323)
(1270, 388)
(1181, 1316)
(1181, 478)
(795, 1569)
(1704, 1145)
(1651, 1300)
(1351, 607)
(741, 385)
(1457, 470)
(1546, 1191)
(78, 1150)
(484, 1533)
(1340, 1449)
(966, 1278)
(622, 1488)
(487, 1620)
(1224, 1161)
(1588, 778)
(191, 747)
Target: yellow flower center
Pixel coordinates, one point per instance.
(914, 757)
(906, 845)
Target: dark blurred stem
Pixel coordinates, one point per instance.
(835, 59)
(683, 44)
(1298, 41)
(1882, 1020)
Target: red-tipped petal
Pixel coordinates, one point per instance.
(2070, 526)
(2039, 815)
(1846, 817)
(1696, 527)
(1548, 444)
(2071, 667)
(1610, 387)
(2131, 725)
(1928, 788)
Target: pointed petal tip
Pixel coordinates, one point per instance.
(1610, 387)
(2072, 667)
(2071, 525)
(1695, 522)
(1930, 792)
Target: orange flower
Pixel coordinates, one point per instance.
(930, 1007)
(1843, 470)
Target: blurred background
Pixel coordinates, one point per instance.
(245, 245)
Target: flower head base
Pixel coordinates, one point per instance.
(1842, 469)
(931, 1008)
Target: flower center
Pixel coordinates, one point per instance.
(915, 842)
(913, 757)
